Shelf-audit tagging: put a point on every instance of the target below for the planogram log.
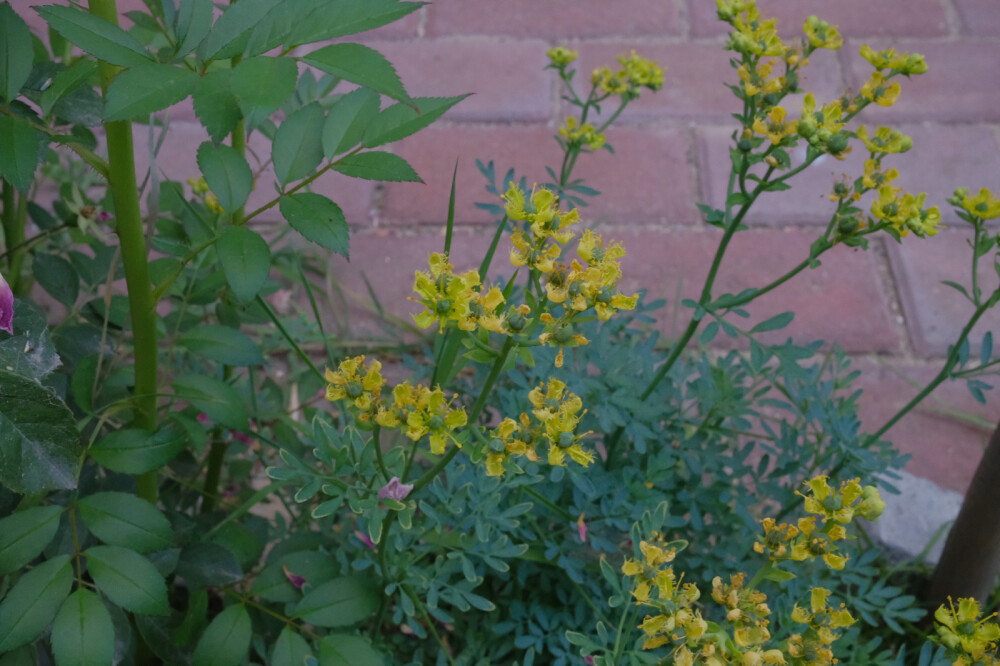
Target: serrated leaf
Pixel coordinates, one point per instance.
(207, 563)
(33, 602)
(217, 399)
(39, 444)
(348, 17)
(376, 165)
(25, 534)
(192, 24)
(347, 650)
(401, 120)
(122, 519)
(340, 602)
(144, 89)
(297, 149)
(227, 174)
(83, 633)
(16, 53)
(56, 276)
(128, 579)
(246, 261)
(65, 82)
(20, 147)
(215, 105)
(261, 85)
(290, 649)
(229, 36)
(318, 219)
(222, 344)
(226, 639)
(348, 119)
(361, 65)
(98, 37)
(136, 451)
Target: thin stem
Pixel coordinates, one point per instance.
(14, 218)
(284, 332)
(125, 193)
(377, 443)
(34, 240)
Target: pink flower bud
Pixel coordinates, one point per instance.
(297, 581)
(6, 307)
(395, 489)
(363, 538)
(581, 529)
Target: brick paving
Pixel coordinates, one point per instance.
(885, 306)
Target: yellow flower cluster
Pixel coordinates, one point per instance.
(751, 35)
(635, 72)
(757, 80)
(586, 133)
(775, 126)
(905, 63)
(200, 187)
(556, 415)
(984, 205)
(822, 35)
(905, 212)
(423, 411)
(806, 540)
(560, 56)
(358, 382)
(823, 128)
(417, 410)
(971, 638)
(812, 646)
(448, 297)
(886, 140)
(747, 610)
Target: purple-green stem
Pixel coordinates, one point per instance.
(125, 194)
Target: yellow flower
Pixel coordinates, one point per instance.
(360, 383)
(906, 63)
(822, 35)
(585, 134)
(510, 438)
(822, 129)
(198, 186)
(557, 409)
(874, 177)
(813, 543)
(560, 334)
(482, 305)
(213, 204)
(776, 538)
(560, 56)
(753, 36)
(506, 323)
(776, 128)
(886, 140)
(984, 205)
(876, 90)
(432, 415)
(756, 81)
(614, 83)
(641, 71)
(525, 253)
(961, 629)
(906, 213)
(446, 296)
(542, 212)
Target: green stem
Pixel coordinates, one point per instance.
(125, 193)
(216, 456)
(14, 218)
(288, 338)
(377, 442)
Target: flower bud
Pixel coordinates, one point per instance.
(872, 505)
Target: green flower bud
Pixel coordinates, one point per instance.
(497, 445)
(566, 440)
(436, 422)
(443, 306)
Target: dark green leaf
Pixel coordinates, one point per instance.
(347, 650)
(261, 85)
(339, 603)
(96, 36)
(347, 17)
(348, 120)
(30, 352)
(362, 65)
(39, 444)
(272, 584)
(25, 534)
(82, 633)
(194, 22)
(139, 91)
(122, 519)
(214, 397)
(65, 82)
(246, 261)
(128, 579)
(736, 199)
(32, 603)
(57, 276)
(376, 165)
(779, 576)
(16, 54)
(986, 349)
(230, 33)
(134, 451)
(290, 649)
(318, 219)
(206, 563)
(277, 27)
(222, 344)
(297, 149)
(215, 105)
(774, 323)
(227, 173)
(226, 639)
(20, 146)
(401, 120)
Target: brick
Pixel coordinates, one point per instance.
(960, 155)
(856, 18)
(673, 265)
(959, 85)
(407, 27)
(433, 151)
(177, 161)
(979, 17)
(557, 19)
(945, 448)
(936, 313)
(693, 82)
(507, 78)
